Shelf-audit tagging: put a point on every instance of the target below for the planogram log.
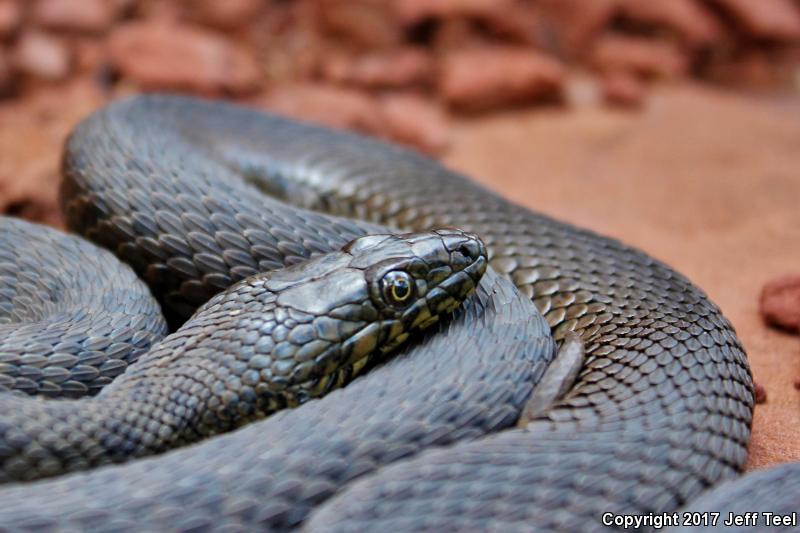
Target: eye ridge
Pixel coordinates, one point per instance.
(397, 287)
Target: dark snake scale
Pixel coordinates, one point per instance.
(199, 198)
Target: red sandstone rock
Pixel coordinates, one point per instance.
(411, 12)
(575, 23)
(32, 133)
(416, 121)
(766, 19)
(645, 57)
(402, 67)
(456, 34)
(491, 77)
(227, 14)
(369, 24)
(520, 23)
(92, 16)
(688, 18)
(780, 302)
(754, 68)
(42, 56)
(509, 20)
(405, 118)
(289, 43)
(10, 18)
(333, 106)
(623, 89)
(6, 72)
(760, 393)
(168, 56)
(90, 55)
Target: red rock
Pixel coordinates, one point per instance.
(521, 23)
(755, 69)
(289, 43)
(333, 106)
(405, 118)
(765, 19)
(6, 72)
(42, 56)
(368, 24)
(780, 302)
(416, 121)
(457, 34)
(165, 11)
(402, 67)
(491, 77)
(411, 12)
(507, 19)
(226, 15)
(160, 55)
(10, 18)
(645, 57)
(575, 23)
(623, 89)
(33, 130)
(90, 55)
(688, 18)
(93, 16)
(760, 393)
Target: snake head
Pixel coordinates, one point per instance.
(351, 307)
(414, 279)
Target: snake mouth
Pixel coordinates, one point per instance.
(341, 376)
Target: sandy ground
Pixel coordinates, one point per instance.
(706, 181)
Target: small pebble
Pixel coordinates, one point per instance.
(761, 394)
(780, 302)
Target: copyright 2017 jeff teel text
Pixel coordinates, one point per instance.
(706, 519)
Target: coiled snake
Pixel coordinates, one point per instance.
(195, 197)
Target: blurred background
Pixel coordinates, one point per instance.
(673, 125)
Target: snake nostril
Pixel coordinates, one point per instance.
(469, 250)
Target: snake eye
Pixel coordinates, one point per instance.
(397, 287)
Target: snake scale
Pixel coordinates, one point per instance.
(197, 197)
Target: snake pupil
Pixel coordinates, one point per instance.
(397, 287)
(400, 290)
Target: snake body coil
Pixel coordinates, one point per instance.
(660, 411)
(53, 341)
(266, 343)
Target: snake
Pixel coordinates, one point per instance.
(208, 201)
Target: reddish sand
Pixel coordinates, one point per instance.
(707, 181)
